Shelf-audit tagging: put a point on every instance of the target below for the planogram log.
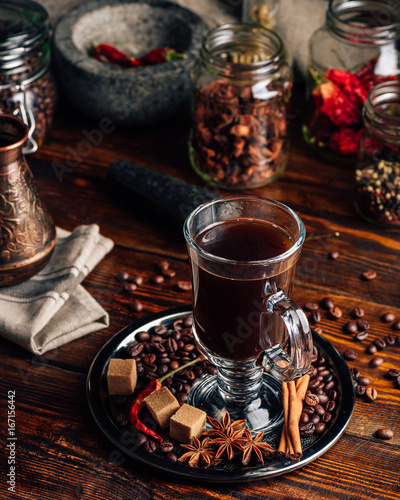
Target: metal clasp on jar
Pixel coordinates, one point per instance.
(23, 111)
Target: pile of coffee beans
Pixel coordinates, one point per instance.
(157, 352)
(359, 328)
(321, 399)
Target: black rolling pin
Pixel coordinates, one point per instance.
(172, 197)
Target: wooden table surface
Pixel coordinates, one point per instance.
(62, 455)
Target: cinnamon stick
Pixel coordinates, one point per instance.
(293, 432)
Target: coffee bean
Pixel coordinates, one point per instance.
(313, 383)
(139, 439)
(162, 369)
(329, 386)
(311, 400)
(162, 265)
(174, 365)
(398, 382)
(138, 280)
(314, 419)
(309, 410)
(171, 457)
(332, 395)
(157, 279)
(136, 306)
(360, 336)
(371, 393)
(349, 354)
(182, 398)
(307, 429)
(150, 446)
(327, 303)
(380, 344)
(388, 317)
(165, 447)
(304, 418)
(122, 275)
(396, 326)
(355, 373)
(326, 417)
(135, 349)
(362, 325)
(333, 255)
(130, 287)
(390, 339)
(149, 358)
(185, 286)
(384, 433)
(315, 317)
(350, 327)
(376, 361)
(323, 398)
(335, 312)
(357, 312)
(368, 275)
(142, 336)
(310, 306)
(371, 349)
(360, 390)
(363, 381)
(171, 345)
(393, 373)
(320, 428)
(211, 370)
(168, 273)
(319, 410)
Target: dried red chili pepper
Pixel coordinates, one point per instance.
(105, 52)
(139, 403)
(110, 54)
(160, 55)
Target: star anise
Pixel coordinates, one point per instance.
(200, 453)
(224, 425)
(228, 441)
(254, 447)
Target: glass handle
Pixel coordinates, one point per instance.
(293, 359)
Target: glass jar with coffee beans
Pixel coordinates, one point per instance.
(242, 86)
(27, 89)
(355, 50)
(378, 173)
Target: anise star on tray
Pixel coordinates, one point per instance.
(224, 425)
(254, 447)
(200, 453)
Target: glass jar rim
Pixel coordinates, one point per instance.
(241, 31)
(263, 262)
(379, 119)
(380, 28)
(25, 32)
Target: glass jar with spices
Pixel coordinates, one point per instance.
(242, 86)
(353, 52)
(378, 173)
(27, 89)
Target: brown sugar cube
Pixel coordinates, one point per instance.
(188, 422)
(121, 376)
(161, 405)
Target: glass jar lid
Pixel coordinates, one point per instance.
(24, 33)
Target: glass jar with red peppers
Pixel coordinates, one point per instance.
(27, 89)
(355, 50)
(242, 86)
(378, 172)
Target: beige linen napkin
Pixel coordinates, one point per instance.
(52, 308)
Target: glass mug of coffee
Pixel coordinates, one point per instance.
(243, 251)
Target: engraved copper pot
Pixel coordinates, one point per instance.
(27, 232)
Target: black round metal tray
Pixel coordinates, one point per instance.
(97, 398)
